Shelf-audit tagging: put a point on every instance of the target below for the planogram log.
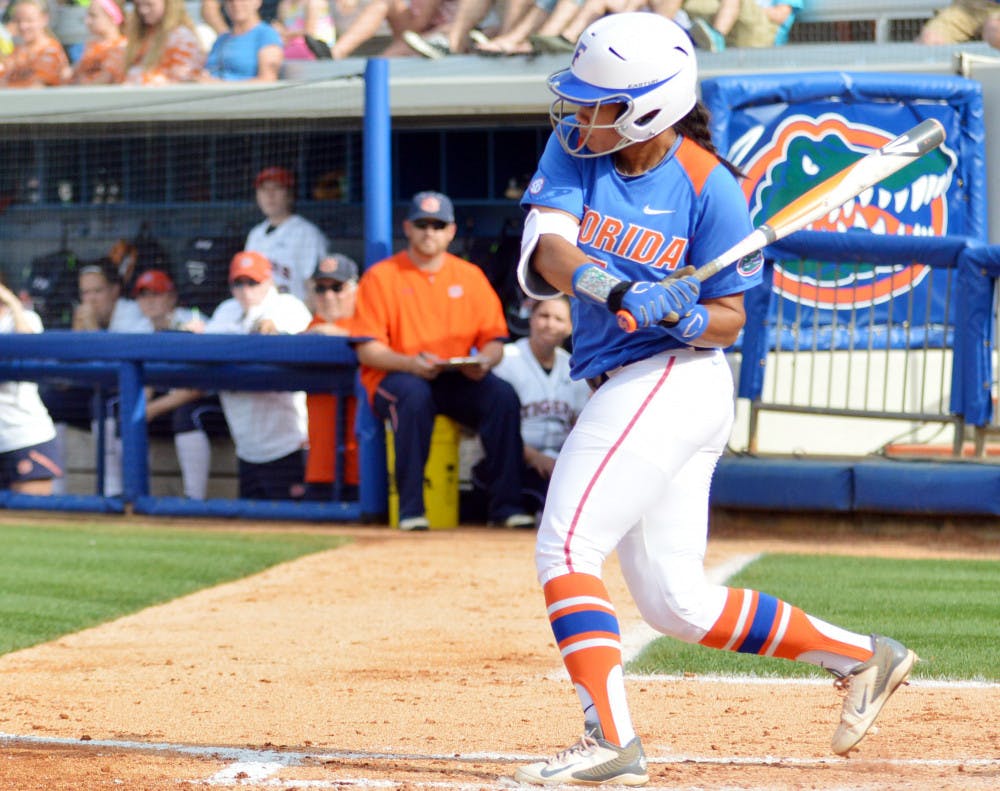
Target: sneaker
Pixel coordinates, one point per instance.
(412, 523)
(706, 37)
(519, 521)
(434, 46)
(868, 687)
(591, 761)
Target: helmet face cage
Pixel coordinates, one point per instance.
(562, 114)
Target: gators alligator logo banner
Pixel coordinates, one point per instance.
(804, 150)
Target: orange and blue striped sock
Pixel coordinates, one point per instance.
(758, 623)
(586, 629)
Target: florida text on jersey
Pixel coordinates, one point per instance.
(686, 210)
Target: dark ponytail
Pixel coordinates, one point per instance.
(694, 126)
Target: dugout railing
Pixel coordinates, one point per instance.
(984, 284)
(911, 368)
(127, 363)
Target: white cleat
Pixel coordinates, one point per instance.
(868, 687)
(591, 761)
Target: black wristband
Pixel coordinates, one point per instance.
(617, 294)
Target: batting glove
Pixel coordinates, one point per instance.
(650, 303)
(691, 326)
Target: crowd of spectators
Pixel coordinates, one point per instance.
(443, 348)
(157, 42)
(529, 27)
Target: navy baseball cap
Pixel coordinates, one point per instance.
(431, 206)
(337, 267)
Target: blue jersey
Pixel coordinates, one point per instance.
(686, 210)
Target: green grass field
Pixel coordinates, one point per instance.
(55, 580)
(948, 611)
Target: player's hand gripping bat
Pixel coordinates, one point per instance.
(818, 201)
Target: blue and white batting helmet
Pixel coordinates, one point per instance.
(640, 59)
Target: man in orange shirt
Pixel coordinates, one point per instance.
(423, 309)
(332, 290)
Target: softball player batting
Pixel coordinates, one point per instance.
(628, 190)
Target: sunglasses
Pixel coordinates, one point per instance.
(423, 225)
(243, 282)
(322, 288)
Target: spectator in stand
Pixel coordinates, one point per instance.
(68, 23)
(250, 51)
(268, 428)
(538, 369)
(163, 47)
(544, 16)
(421, 16)
(99, 306)
(343, 14)
(462, 32)
(289, 241)
(334, 288)
(422, 308)
(156, 296)
(964, 20)
(991, 31)
(6, 30)
(28, 450)
(305, 27)
(102, 307)
(193, 415)
(716, 24)
(38, 59)
(215, 16)
(103, 58)
(569, 19)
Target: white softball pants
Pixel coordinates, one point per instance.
(634, 475)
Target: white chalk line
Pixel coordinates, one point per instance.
(924, 683)
(257, 767)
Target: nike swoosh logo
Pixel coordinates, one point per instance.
(557, 770)
(863, 707)
(647, 210)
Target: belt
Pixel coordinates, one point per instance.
(596, 381)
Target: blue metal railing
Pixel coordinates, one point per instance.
(212, 362)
